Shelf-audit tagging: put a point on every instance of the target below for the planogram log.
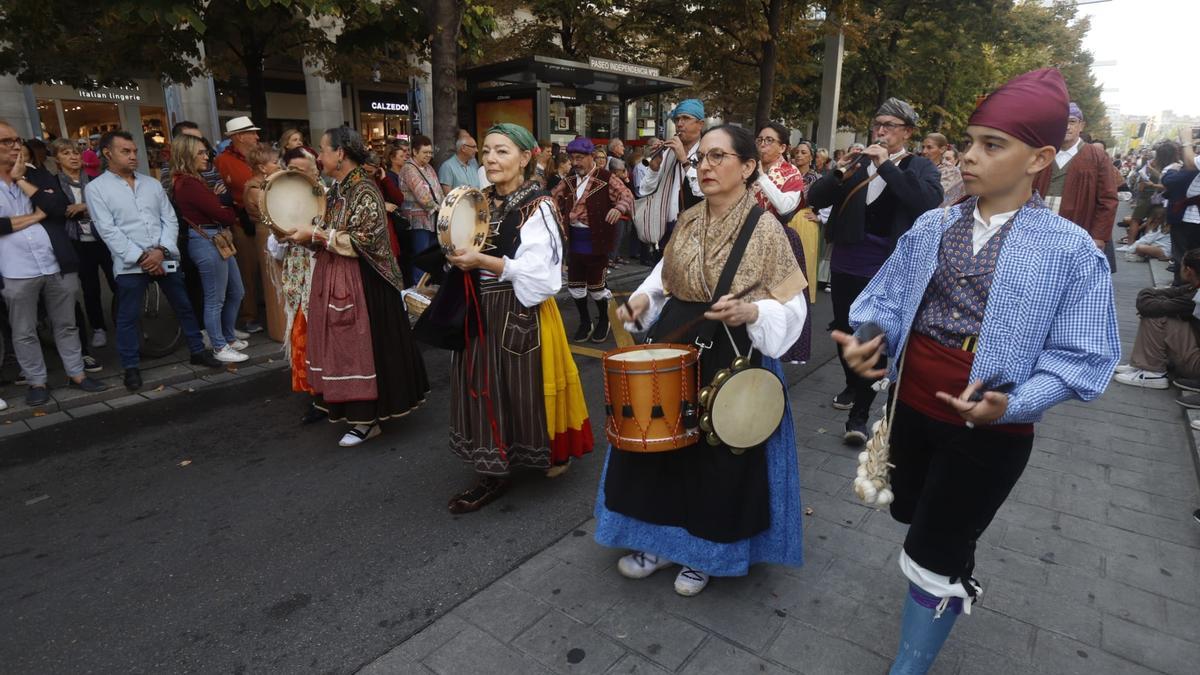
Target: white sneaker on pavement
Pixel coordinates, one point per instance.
(1144, 379)
(3, 404)
(228, 354)
(99, 338)
(359, 434)
(241, 334)
(690, 581)
(1195, 424)
(239, 344)
(639, 565)
(1125, 368)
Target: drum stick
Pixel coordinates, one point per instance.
(622, 336)
(685, 328)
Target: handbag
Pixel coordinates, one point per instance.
(222, 240)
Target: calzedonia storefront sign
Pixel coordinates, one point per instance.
(387, 103)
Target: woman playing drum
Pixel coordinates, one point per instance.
(515, 398)
(711, 510)
(362, 361)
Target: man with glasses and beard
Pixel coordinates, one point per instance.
(876, 195)
(669, 181)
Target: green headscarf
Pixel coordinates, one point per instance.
(519, 134)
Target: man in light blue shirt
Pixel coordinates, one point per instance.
(461, 169)
(133, 216)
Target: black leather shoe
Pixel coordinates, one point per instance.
(206, 358)
(133, 379)
(37, 396)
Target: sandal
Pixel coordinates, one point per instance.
(484, 492)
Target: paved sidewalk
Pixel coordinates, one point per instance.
(1090, 567)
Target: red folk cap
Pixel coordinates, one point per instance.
(1031, 107)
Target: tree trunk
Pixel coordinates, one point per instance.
(766, 66)
(445, 19)
(253, 63)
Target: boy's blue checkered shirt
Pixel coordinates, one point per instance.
(1050, 326)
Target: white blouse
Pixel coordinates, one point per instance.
(536, 269)
(778, 327)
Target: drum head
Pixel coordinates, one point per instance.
(292, 199)
(653, 354)
(748, 408)
(463, 220)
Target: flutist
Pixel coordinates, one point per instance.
(876, 194)
(670, 180)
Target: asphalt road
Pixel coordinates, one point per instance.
(210, 533)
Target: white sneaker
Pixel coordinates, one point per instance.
(1195, 424)
(639, 565)
(3, 404)
(239, 344)
(1124, 368)
(690, 581)
(359, 434)
(1133, 257)
(241, 334)
(228, 354)
(1144, 379)
(99, 338)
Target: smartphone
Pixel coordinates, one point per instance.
(170, 266)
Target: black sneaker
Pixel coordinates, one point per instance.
(1186, 384)
(88, 384)
(133, 379)
(856, 433)
(601, 331)
(206, 358)
(252, 327)
(91, 365)
(1189, 401)
(582, 333)
(37, 396)
(844, 400)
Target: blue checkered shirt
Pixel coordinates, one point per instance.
(1050, 326)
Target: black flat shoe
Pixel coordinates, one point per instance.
(37, 396)
(582, 333)
(313, 414)
(88, 384)
(484, 492)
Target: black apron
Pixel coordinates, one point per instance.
(705, 489)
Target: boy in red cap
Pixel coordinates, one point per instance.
(1000, 309)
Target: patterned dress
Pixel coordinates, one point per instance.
(789, 179)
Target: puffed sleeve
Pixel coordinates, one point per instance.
(536, 269)
(778, 326)
(652, 288)
(784, 202)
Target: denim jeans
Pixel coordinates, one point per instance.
(131, 288)
(223, 289)
(419, 241)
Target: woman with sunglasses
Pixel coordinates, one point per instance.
(729, 280)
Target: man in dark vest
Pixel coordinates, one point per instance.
(876, 194)
(592, 202)
(1081, 186)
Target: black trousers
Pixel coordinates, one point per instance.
(845, 290)
(949, 481)
(94, 260)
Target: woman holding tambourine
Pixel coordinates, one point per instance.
(515, 397)
(728, 282)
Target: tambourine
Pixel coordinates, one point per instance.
(463, 220)
(742, 407)
(291, 200)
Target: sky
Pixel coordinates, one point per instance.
(1152, 74)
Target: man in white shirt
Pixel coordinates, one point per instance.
(670, 182)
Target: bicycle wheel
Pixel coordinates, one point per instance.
(160, 331)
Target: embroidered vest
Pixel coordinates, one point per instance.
(952, 310)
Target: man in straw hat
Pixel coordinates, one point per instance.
(999, 309)
(236, 171)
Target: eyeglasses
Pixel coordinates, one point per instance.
(887, 125)
(715, 157)
(9, 142)
(765, 140)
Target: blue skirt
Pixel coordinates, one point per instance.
(780, 543)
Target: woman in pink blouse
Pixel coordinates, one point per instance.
(422, 195)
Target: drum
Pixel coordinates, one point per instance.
(463, 221)
(742, 407)
(650, 397)
(291, 200)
